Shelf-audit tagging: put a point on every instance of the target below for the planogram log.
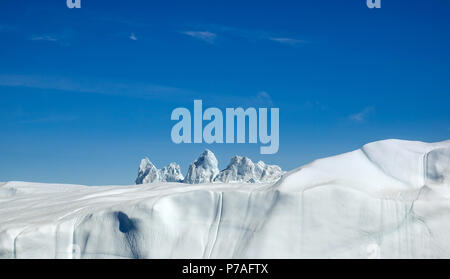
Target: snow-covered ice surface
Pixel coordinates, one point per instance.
(390, 199)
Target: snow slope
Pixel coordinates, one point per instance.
(390, 199)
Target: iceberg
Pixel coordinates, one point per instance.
(148, 173)
(206, 170)
(389, 199)
(242, 169)
(203, 170)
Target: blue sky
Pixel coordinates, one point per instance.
(85, 93)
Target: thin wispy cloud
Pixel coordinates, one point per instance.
(247, 34)
(362, 115)
(94, 86)
(48, 38)
(60, 39)
(133, 37)
(129, 89)
(205, 36)
(289, 41)
(264, 98)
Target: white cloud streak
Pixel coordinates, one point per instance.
(48, 38)
(251, 35)
(88, 85)
(264, 98)
(362, 115)
(288, 41)
(133, 37)
(205, 36)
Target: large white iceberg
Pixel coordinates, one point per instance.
(390, 199)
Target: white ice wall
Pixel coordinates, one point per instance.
(390, 200)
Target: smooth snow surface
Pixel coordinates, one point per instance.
(390, 199)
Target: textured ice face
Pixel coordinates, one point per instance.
(203, 170)
(171, 173)
(148, 173)
(242, 169)
(438, 167)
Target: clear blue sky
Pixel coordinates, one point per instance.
(85, 93)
